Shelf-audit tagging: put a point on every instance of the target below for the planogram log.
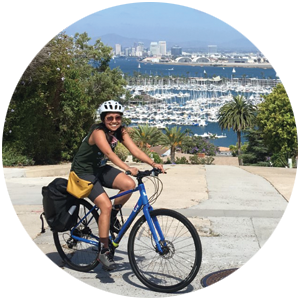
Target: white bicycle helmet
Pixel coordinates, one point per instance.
(111, 106)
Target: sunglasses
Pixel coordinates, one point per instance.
(111, 118)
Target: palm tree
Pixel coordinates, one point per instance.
(172, 138)
(145, 135)
(239, 115)
(188, 132)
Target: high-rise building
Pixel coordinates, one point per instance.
(133, 51)
(212, 49)
(127, 51)
(154, 48)
(140, 46)
(162, 47)
(176, 51)
(118, 49)
(140, 49)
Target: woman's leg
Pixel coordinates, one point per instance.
(105, 255)
(100, 198)
(123, 183)
(104, 204)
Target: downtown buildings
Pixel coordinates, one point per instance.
(156, 49)
(157, 52)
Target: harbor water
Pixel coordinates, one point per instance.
(131, 65)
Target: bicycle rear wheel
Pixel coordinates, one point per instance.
(178, 265)
(78, 255)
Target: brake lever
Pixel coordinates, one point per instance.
(129, 173)
(156, 172)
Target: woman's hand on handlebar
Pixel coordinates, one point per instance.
(132, 171)
(159, 167)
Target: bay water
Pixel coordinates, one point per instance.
(131, 65)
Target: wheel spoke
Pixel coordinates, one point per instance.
(80, 255)
(180, 261)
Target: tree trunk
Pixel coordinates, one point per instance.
(173, 155)
(239, 147)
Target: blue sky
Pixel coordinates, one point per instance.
(156, 21)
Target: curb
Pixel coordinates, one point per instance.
(14, 173)
(37, 171)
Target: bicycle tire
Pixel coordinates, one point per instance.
(78, 255)
(174, 270)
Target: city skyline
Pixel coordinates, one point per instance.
(209, 23)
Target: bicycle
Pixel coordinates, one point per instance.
(164, 248)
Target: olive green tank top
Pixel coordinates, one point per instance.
(89, 158)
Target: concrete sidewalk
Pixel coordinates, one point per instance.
(282, 179)
(234, 209)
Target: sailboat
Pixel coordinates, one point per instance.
(139, 66)
(233, 70)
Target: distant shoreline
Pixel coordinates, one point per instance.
(228, 65)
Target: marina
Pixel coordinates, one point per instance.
(191, 106)
(192, 103)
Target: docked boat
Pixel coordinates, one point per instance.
(208, 135)
(186, 104)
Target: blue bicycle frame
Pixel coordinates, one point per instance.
(141, 203)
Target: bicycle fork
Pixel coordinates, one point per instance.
(153, 223)
(155, 229)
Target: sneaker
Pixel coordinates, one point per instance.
(106, 258)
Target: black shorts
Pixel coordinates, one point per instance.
(104, 178)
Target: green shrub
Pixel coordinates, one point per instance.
(11, 158)
(262, 164)
(279, 160)
(209, 160)
(248, 158)
(153, 155)
(168, 161)
(181, 161)
(195, 160)
(197, 144)
(122, 151)
(156, 158)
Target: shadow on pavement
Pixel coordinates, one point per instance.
(52, 260)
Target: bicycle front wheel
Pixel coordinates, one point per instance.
(80, 255)
(180, 261)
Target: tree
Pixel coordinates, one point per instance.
(276, 120)
(145, 135)
(55, 101)
(238, 115)
(197, 144)
(173, 138)
(34, 121)
(26, 44)
(256, 151)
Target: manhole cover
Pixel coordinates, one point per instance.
(252, 283)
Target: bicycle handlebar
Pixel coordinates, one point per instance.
(142, 174)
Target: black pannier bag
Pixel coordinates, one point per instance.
(60, 207)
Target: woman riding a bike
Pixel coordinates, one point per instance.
(90, 164)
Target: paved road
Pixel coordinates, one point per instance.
(234, 211)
